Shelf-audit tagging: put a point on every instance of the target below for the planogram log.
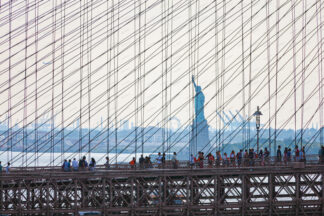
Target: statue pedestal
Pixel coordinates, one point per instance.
(199, 139)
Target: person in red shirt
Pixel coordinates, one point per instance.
(211, 160)
(132, 163)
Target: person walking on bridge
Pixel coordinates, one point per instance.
(66, 166)
(239, 157)
(279, 154)
(174, 160)
(302, 155)
(107, 165)
(141, 162)
(163, 160)
(159, 160)
(192, 161)
(92, 165)
(232, 156)
(132, 163)
(83, 164)
(296, 154)
(201, 159)
(218, 159)
(321, 154)
(8, 168)
(75, 165)
(226, 160)
(211, 160)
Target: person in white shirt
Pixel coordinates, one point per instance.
(75, 165)
(192, 160)
(159, 160)
(8, 168)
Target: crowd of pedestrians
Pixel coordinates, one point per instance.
(81, 165)
(248, 157)
(160, 161)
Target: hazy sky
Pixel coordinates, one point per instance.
(118, 53)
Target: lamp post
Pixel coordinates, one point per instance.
(257, 115)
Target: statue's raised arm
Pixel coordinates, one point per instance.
(193, 80)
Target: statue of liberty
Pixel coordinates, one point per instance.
(199, 140)
(199, 103)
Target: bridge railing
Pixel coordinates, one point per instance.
(270, 161)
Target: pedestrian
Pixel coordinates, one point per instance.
(286, 156)
(266, 156)
(251, 157)
(279, 154)
(218, 159)
(107, 165)
(239, 157)
(174, 160)
(146, 162)
(246, 158)
(192, 161)
(150, 165)
(8, 168)
(141, 162)
(132, 163)
(65, 166)
(92, 165)
(226, 160)
(321, 154)
(261, 158)
(211, 160)
(159, 160)
(75, 165)
(163, 160)
(296, 153)
(201, 160)
(302, 155)
(83, 164)
(0, 167)
(232, 156)
(289, 155)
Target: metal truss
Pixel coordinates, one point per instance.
(240, 191)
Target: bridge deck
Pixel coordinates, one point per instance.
(276, 190)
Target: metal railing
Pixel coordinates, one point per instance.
(244, 162)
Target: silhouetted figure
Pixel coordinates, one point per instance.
(174, 160)
(83, 164)
(92, 165)
(163, 160)
(279, 154)
(107, 165)
(141, 162)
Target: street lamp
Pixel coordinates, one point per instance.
(257, 115)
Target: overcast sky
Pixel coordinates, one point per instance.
(136, 47)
